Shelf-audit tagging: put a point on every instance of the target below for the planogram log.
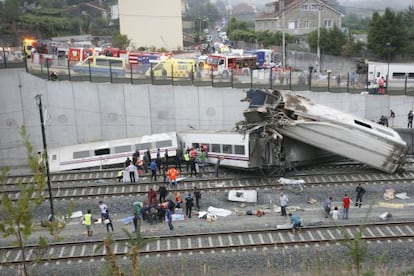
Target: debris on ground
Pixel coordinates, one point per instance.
(312, 201)
(389, 194)
(402, 196)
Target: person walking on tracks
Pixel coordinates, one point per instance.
(360, 192)
(188, 205)
(104, 209)
(88, 220)
(283, 203)
(169, 218)
(197, 195)
(327, 205)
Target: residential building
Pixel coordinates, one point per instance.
(298, 17)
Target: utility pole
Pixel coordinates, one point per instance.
(38, 99)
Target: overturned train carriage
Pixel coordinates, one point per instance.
(273, 115)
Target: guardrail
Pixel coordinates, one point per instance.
(294, 80)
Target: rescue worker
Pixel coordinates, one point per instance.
(87, 220)
(120, 175)
(187, 159)
(172, 175)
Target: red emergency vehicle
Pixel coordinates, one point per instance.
(79, 54)
(224, 65)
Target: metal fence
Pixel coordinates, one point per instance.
(295, 80)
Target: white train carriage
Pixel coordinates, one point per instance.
(252, 150)
(104, 153)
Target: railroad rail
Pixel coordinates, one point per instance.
(212, 242)
(87, 189)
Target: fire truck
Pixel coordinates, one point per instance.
(31, 46)
(141, 61)
(225, 65)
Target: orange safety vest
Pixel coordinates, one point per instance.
(172, 173)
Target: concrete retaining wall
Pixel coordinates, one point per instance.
(79, 112)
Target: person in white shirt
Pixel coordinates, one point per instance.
(283, 203)
(335, 213)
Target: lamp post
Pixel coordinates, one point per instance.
(38, 99)
(388, 44)
(318, 50)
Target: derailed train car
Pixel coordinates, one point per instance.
(340, 133)
(252, 149)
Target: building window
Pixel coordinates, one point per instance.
(304, 7)
(306, 24)
(314, 7)
(327, 23)
(292, 25)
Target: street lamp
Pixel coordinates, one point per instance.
(38, 99)
(388, 44)
(318, 50)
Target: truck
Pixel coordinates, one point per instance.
(225, 65)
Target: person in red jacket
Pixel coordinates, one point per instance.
(346, 202)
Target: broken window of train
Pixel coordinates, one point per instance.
(362, 124)
(102, 151)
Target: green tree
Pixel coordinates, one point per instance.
(18, 214)
(388, 27)
(120, 41)
(331, 41)
(135, 243)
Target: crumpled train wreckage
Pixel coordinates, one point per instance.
(270, 115)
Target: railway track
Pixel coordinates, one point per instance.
(213, 242)
(111, 188)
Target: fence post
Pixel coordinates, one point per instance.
(4, 58)
(47, 68)
(347, 82)
(69, 77)
(212, 77)
(405, 84)
(130, 68)
(310, 77)
(110, 71)
(251, 78)
(172, 74)
(271, 78)
(90, 72)
(329, 80)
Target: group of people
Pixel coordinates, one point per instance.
(346, 204)
(166, 206)
(330, 210)
(168, 168)
(106, 220)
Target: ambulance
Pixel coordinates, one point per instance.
(173, 68)
(101, 65)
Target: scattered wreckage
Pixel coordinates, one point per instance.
(275, 116)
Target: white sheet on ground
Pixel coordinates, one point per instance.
(286, 181)
(219, 211)
(402, 196)
(77, 214)
(287, 225)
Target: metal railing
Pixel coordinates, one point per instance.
(295, 80)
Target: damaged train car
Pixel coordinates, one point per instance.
(301, 119)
